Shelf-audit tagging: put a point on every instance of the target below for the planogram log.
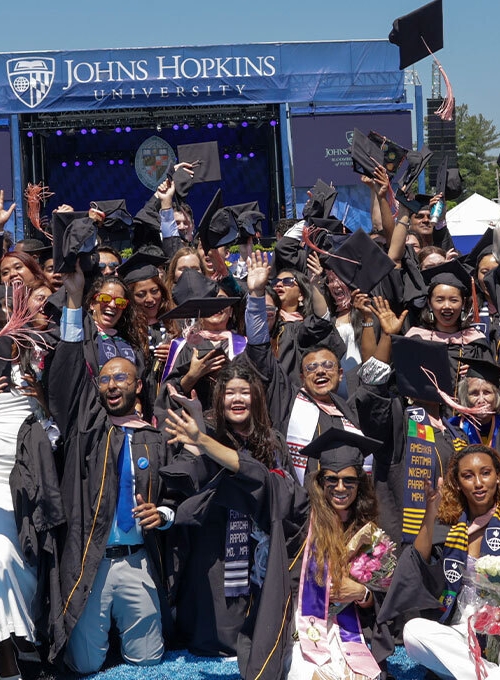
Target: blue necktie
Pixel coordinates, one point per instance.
(125, 501)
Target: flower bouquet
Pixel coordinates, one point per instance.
(372, 558)
(486, 620)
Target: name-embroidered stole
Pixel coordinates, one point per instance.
(455, 556)
(237, 557)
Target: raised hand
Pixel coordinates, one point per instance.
(74, 283)
(182, 428)
(389, 322)
(191, 405)
(5, 214)
(433, 496)
(258, 273)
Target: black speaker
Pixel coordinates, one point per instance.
(441, 139)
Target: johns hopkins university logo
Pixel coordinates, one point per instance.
(31, 79)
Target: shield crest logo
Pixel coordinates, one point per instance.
(31, 79)
(416, 414)
(349, 135)
(453, 569)
(492, 536)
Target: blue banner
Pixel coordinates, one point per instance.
(337, 72)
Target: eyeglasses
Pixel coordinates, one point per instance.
(117, 378)
(287, 281)
(328, 364)
(120, 302)
(109, 265)
(334, 481)
(271, 309)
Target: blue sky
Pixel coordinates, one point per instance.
(470, 56)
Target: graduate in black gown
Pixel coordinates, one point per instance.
(216, 542)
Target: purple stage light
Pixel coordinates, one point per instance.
(64, 164)
(77, 164)
(244, 124)
(90, 163)
(118, 129)
(185, 126)
(128, 129)
(59, 133)
(120, 161)
(251, 154)
(111, 162)
(93, 131)
(83, 131)
(175, 126)
(29, 134)
(239, 156)
(273, 123)
(219, 124)
(226, 156)
(210, 125)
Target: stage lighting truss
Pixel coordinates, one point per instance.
(177, 119)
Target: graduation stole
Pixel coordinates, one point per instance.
(475, 436)
(236, 345)
(420, 464)
(110, 347)
(312, 621)
(455, 556)
(237, 555)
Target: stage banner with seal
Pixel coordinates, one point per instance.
(345, 72)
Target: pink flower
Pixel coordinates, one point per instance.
(380, 550)
(375, 564)
(360, 572)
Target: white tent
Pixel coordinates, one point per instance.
(470, 219)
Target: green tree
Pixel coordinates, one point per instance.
(476, 137)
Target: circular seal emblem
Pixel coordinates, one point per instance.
(151, 161)
(143, 463)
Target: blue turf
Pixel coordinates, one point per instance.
(184, 666)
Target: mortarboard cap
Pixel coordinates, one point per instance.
(196, 297)
(441, 177)
(337, 449)
(370, 264)
(454, 184)
(205, 159)
(409, 355)
(33, 246)
(410, 31)
(332, 224)
(448, 180)
(451, 273)
(485, 370)
(320, 203)
(366, 155)
(416, 162)
(248, 219)
(394, 154)
(203, 227)
(483, 247)
(75, 236)
(416, 204)
(140, 266)
(116, 213)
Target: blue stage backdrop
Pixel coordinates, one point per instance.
(244, 179)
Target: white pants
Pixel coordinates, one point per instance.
(123, 590)
(443, 649)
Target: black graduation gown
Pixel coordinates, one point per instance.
(207, 621)
(281, 394)
(89, 482)
(382, 416)
(296, 336)
(279, 506)
(41, 523)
